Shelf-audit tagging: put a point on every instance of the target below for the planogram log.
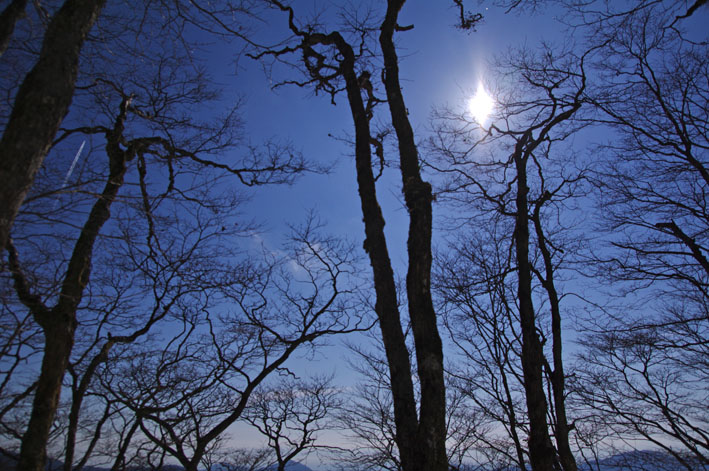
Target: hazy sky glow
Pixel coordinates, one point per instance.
(481, 105)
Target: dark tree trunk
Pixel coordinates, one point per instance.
(59, 339)
(514, 424)
(8, 18)
(120, 461)
(59, 323)
(77, 399)
(542, 455)
(420, 437)
(386, 305)
(431, 446)
(566, 457)
(421, 440)
(41, 103)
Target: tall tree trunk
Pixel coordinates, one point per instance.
(542, 455)
(566, 457)
(59, 323)
(77, 400)
(79, 392)
(514, 424)
(119, 462)
(386, 305)
(419, 438)
(41, 103)
(431, 446)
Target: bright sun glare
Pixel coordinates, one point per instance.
(481, 105)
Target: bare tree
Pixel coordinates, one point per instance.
(640, 388)
(517, 180)
(292, 414)
(138, 120)
(338, 61)
(59, 321)
(9, 16)
(475, 290)
(367, 418)
(367, 415)
(173, 269)
(188, 388)
(246, 460)
(644, 370)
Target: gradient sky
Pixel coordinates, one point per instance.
(440, 65)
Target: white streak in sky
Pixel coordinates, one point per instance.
(71, 169)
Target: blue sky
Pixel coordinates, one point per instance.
(440, 65)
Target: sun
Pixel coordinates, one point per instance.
(481, 105)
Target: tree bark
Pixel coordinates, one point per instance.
(8, 19)
(59, 340)
(386, 305)
(41, 103)
(431, 446)
(558, 379)
(542, 455)
(59, 323)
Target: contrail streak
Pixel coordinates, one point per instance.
(71, 169)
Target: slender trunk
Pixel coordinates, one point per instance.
(120, 461)
(431, 446)
(95, 437)
(40, 105)
(8, 18)
(566, 457)
(80, 392)
(60, 322)
(386, 305)
(542, 455)
(77, 400)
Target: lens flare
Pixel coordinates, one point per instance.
(481, 105)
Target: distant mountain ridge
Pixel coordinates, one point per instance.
(291, 466)
(643, 460)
